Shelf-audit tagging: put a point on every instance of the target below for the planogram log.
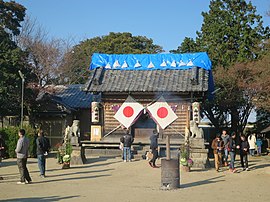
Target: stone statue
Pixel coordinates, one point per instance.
(187, 135)
(75, 133)
(196, 132)
(72, 133)
(67, 135)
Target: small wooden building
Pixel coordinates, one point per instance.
(58, 106)
(180, 78)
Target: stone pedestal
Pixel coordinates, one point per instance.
(198, 153)
(74, 141)
(77, 156)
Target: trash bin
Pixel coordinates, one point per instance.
(170, 174)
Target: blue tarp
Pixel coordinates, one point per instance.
(151, 61)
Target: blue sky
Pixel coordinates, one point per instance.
(166, 22)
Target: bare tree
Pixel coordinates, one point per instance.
(45, 54)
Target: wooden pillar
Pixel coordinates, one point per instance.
(168, 151)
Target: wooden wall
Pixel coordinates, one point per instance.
(178, 126)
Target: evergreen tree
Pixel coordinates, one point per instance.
(232, 32)
(12, 59)
(75, 68)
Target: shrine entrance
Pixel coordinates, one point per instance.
(143, 128)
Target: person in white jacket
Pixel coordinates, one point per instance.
(252, 144)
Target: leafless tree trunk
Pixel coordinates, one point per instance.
(45, 55)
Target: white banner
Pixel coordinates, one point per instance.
(162, 113)
(128, 112)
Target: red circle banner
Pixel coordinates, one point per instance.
(162, 112)
(128, 111)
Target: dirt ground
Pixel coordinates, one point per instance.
(110, 179)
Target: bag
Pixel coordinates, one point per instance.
(46, 145)
(229, 148)
(149, 155)
(121, 146)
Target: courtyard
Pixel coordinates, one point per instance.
(110, 179)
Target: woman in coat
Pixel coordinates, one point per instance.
(218, 147)
(252, 144)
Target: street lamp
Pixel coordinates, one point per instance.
(22, 77)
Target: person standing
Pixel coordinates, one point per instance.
(259, 145)
(22, 155)
(252, 144)
(43, 147)
(225, 137)
(2, 148)
(244, 146)
(127, 141)
(232, 150)
(154, 148)
(218, 147)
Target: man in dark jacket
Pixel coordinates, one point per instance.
(154, 148)
(127, 141)
(232, 150)
(43, 146)
(244, 146)
(225, 137)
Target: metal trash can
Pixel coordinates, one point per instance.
(170, 175)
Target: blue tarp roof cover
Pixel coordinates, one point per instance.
(151, 61)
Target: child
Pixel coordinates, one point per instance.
(218, 147)
(244, 146)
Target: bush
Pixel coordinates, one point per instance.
(10, 135)
(64, 150)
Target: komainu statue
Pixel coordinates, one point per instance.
(75, 128)
(196, 132)
(72, 133)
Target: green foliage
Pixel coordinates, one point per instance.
(263, 120)
(64, 150)
(10, 135)
(12, 59)
(232, 32)
(184, 152)
(187, 46)
(68, 148)
(11, 14)
(78, 59)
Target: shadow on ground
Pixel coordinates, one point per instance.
(79, 173)
(42, 199)
(72, 178)
(202, 182)
(259, 166)
(14, 162)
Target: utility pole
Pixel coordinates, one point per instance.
(22, 77)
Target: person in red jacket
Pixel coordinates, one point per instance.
(218, 147)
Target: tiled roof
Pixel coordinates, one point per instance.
(189, 80)
(70, 96)
(266, 130)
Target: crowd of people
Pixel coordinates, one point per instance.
(225, 146)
